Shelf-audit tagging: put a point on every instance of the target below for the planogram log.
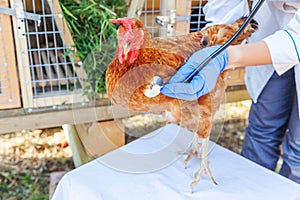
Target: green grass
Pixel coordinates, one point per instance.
(94, 36)
(15, 186)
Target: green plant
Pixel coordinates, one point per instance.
(23, 186)
(94, 36)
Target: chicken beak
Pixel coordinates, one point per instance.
(126, 49)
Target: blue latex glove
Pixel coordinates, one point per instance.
(203, 82)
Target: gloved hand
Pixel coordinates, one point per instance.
(203, 82)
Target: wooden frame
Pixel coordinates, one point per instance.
(20, 119)
(183, 27)
(134, 6)
(236, 77)
(9, 85)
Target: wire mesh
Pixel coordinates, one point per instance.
(151, 9)
(52, 70)
(197, 19)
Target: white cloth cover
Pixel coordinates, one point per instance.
(150, 168)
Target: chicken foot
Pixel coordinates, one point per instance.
(192, 151)
(201, 151)
(204, 165)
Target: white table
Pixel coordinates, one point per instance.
(150, 168)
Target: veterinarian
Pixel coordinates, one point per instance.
(272, 79)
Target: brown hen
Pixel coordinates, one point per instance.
(139, 57)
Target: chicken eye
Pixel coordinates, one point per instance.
(204, 42)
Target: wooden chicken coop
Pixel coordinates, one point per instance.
(41, 85)
(37, 73)
(47, 75)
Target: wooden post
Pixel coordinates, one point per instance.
(99, 138)
(22, 56)
(166, 7)
(91, 140)
(183, 8)
(67, 38)
(10, 97)
(135, 5)
(61, 22)
(80, 156)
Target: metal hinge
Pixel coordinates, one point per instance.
(163, 20)
(19, 13)
(169, 21)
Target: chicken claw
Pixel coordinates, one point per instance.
(201, 151)
(192, 151)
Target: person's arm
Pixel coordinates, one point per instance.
(249, 55)
(284, 45)
(281, 49)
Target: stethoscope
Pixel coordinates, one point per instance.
(157, 83)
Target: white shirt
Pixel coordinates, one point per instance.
(279, 27)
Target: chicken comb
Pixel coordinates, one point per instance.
(126, 22)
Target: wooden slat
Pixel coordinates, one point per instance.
(22, 57)
(66, 67)
(59, 99)
(236, 77)
(236, 93)
(135, 5)
(39, 71)
(51, 76)
(66, 36)
(100, 137)
(2, 50)
(20, 119)
(12, 95)
(199, 2)
(61, 22)
(79, 154)
(57, 68)
(183, 8)
(4, 84)
(153, 4)
(36, 7)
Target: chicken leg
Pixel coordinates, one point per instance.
(201, 151)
